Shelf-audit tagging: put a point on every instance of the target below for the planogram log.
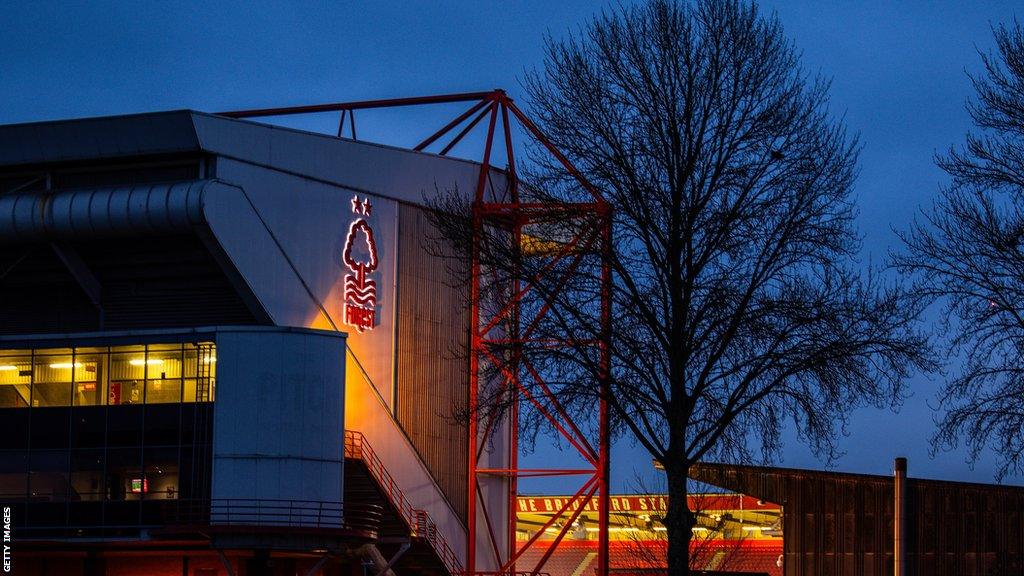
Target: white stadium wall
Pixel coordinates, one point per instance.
(279, 404)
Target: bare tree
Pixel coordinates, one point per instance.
(738, 301)
(968, 253)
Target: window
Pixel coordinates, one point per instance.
(111, 376)
(87, 475)
(53, 372)
(163, 374)
(48, 475)
(15, 378)
(89, 386)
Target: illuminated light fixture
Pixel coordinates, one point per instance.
(65, 365)
(699, 529)
(150, 362)
(751, 528)
(210, 360)
(590, 529)
(8, 368)
(663, 529)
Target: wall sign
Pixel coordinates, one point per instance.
(618, 504)
(360, 289)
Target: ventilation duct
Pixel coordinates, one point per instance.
(103, 212)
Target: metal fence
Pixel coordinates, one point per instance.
(358, 517)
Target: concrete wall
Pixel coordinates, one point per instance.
(279, 414)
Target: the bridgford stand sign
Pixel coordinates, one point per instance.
(653, 503)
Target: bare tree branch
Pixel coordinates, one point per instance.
(967, 253)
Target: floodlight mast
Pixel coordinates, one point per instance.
(490, 208)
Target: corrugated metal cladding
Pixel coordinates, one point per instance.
(842, 524)
(432, 365)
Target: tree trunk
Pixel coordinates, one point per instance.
(679, 521)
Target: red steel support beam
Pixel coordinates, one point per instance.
(485, 165)
(474, 387)
(554, 517)
(604, 501)
(565, 530)
(510, 153)
(513, 448)
(458, 137)
(519, 293)
(362, 105)
(448, 127)
(535, 472)
(574, 440)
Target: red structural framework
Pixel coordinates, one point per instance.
(512, 324)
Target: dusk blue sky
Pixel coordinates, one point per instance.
(898, 70)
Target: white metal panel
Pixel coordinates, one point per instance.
(279, 415)
(239, 230)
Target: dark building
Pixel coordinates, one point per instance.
(843, 524)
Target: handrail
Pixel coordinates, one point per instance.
(419, 522)
(275, 513)
(507, 573)
(357, 447)
(427, 530)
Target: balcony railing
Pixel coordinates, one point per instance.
(359, 520)
(362, 518)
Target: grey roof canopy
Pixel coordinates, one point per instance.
(361, 166)
(99, 138)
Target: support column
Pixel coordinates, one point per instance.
(899, 521)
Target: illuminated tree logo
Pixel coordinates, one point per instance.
(360, 291)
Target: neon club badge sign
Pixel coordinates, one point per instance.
(360, 289)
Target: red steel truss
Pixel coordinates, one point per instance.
(494, 331)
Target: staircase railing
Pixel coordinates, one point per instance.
(419, 522)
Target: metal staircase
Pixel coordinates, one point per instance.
(367, 479)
